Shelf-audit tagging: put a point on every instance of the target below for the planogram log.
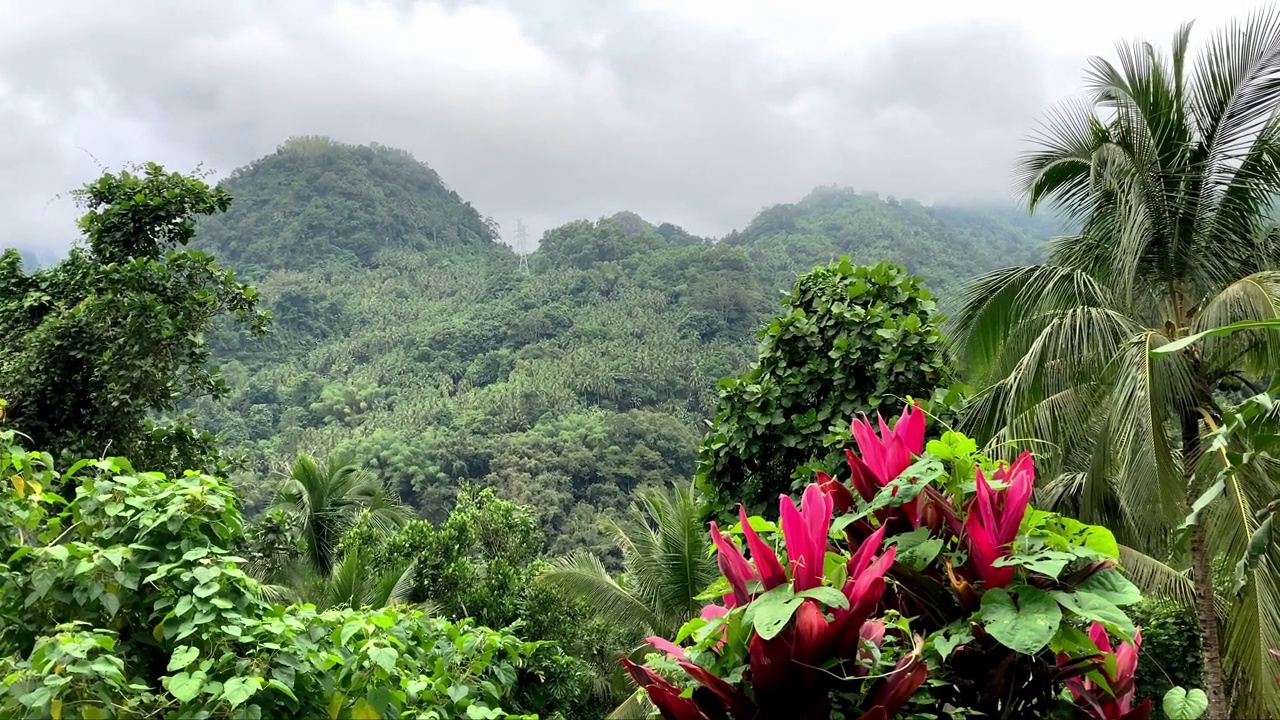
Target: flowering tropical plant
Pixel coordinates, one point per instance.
(1112, 700)
(926, 577)
(787, 631)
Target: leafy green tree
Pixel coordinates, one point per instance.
(850, 339)
(114, 335)
(327, 497)
(483, 562)
(1169, 169)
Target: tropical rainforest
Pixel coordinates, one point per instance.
(313, 440)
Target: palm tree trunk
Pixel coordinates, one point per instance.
(1202, 579)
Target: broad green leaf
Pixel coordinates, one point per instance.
(238, 689)
(687, 629)
(949, 638)
(111, 603)
(205, 573)
(185, 686)
(770, 612)
(828, 596)
(1072, 640)
(274, 683)
(1182, 704)
(1045, 562)
(205, 590)
(38, 697)
(1025, 626)
(182, 656)
(916, 549)
(480, 712)
(757, 523)
(1089, 606)
(349, 628)
(1112, 586)
(362, 710)
(385, 657)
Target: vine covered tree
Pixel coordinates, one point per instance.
(850, 338)
(1169, 167)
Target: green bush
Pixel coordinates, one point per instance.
(851, 339)
(126, 602)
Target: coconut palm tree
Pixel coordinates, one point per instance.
(354, 584)
(1169, 167)
(667, 563)
(327, 497)
(666, 560)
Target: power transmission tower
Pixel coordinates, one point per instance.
(522, 240)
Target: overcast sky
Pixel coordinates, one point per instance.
(698, 112)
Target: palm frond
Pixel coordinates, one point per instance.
(328, 496)
(1157, 579)
(1256, 352)
(1139, 453)
(582, 575)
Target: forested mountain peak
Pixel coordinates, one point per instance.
(315, 200)
(945, 244)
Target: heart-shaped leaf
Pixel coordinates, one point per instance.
(182, 657)
(1025, 626)
(1181, 704)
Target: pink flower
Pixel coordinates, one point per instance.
(863, 588)
(733, 566)
(787, 675)
(841, 499)
(1118, 703)
(994, 519)
(805, 532)
(673, 651)
(890, 453)
(767, 566)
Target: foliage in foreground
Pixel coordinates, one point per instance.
(919, 584)
(125, 602)
(116, 332)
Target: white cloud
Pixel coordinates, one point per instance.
(695, 111)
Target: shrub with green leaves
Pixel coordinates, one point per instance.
(125, 602)
(924, 581)
(851, 339)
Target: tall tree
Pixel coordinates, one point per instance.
(114, 335)
(849, 338)
(1170, 168)
(327, 497)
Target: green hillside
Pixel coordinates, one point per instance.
(405, 334)
(947, 245)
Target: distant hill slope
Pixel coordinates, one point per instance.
(945, 244)
(406, 335)
(316, 200)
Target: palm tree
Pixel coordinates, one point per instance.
(328, 496)
(354, 584)
(667, 563)
(666, 560)
(1169, 168)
